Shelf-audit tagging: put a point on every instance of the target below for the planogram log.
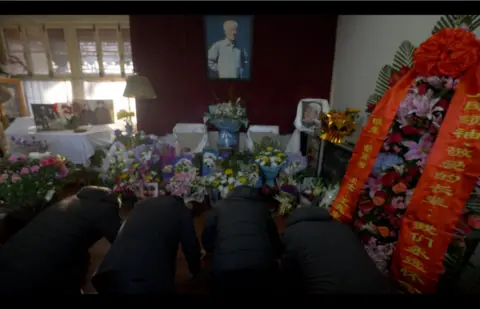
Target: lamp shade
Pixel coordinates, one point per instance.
(139, 87)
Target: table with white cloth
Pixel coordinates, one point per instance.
(77, 147)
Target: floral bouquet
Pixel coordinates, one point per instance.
(270, 161)
(29, 183)
(330, 193)
(312, 189)
(126, 170)
(228, 117)
(225, 181)
(185, 183)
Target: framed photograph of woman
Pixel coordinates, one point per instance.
(228, 44)
(16, 106)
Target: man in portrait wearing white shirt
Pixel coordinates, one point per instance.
(225, 59)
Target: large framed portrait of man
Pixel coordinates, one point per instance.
(228, 44)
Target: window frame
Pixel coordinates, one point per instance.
(69, 24)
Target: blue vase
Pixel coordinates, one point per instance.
(270, 173)
(227, 132)
(129, 129)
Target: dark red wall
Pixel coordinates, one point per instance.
(292, 58)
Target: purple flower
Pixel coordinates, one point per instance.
(24, 171)
(35, 169)
(12, 159)
(117, 132)
(374, 185)
(420, 150)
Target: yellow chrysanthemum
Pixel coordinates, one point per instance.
(125, 176)
(230, 186)
(228, 171)
(269, 148)
(148, 177)
(243, 180)
(217, 183)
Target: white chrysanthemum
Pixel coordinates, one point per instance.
(231, 180)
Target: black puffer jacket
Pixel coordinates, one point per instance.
(142, 259)
(241, 233)
(51, 252)
(324, 256)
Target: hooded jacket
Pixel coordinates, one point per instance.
(51, 252)
(241, 233)
(142, 259)
(324, 256)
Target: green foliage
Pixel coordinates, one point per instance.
(383, 84)
(265, 143)
(472, 22)
(404, 56)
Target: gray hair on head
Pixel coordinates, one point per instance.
(229, 24)
(316, 107)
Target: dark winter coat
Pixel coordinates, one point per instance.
(241, 233)
(50, 254)
(142, 259)
(324, 256)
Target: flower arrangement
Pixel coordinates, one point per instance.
(313, 188)
(125, 170)
(30, 182)
(126, 116)
(295, 164)
(270, 157)
(403, 59)
(225, 181)
(185, 183)
(228, 117)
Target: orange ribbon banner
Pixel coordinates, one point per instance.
(367, 148)
(442, 191)
(441, 194)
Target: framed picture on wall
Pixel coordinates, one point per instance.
(16, 106)
(228, 45)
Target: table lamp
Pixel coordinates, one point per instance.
(138, 87)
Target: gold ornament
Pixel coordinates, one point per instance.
(338, 125)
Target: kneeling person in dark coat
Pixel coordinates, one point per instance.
(142, 259)
(243, 239)
(324, 256)
(51, 254)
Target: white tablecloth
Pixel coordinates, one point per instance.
(77, 147)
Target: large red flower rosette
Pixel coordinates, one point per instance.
(449, 52)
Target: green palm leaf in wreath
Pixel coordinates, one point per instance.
(373, 99)
(382, 86)
(446, 21)
(404, 56)
(383, 80)
(472, 22)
